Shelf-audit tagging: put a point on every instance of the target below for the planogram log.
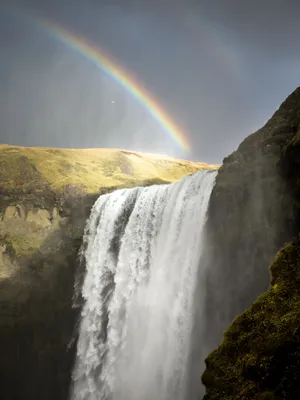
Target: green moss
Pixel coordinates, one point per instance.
(259, 357)
(22, 245)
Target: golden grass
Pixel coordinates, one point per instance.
(88, 168)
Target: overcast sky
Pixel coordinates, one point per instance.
(219, 69)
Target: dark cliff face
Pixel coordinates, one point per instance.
(254, 210)
(259, 356)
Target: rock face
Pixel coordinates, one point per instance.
(45, 199)
(254, 210)
(259, 357)
(36, 284)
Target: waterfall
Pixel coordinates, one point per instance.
(141, 249)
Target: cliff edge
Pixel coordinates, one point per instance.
(254, 210)
(45, 198)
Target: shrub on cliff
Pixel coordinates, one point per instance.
(259, 357)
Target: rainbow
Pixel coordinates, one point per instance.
(97, 55)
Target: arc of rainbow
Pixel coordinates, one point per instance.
(106, 64)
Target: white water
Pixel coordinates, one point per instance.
(142, 250)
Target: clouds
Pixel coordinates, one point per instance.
(219, 68)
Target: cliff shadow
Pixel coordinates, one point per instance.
(38, 325)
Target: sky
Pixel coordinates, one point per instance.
(219, 69)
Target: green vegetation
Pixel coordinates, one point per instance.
(259, 357)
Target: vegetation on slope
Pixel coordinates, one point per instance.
(259, 358)
(87, 169)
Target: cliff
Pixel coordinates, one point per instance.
(254, 210)
(259, 357)
(46, 196)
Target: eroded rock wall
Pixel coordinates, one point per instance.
(38, 259)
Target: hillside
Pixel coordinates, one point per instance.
(43, 188)
(259, 357)
(87, 169)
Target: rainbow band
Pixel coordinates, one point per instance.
(97, 56)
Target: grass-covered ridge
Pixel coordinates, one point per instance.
(259, 357)
(88, 169)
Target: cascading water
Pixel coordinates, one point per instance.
(141, 248)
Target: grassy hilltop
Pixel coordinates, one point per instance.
(88, 169)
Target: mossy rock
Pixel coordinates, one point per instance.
(21, 245)
(259, 357)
